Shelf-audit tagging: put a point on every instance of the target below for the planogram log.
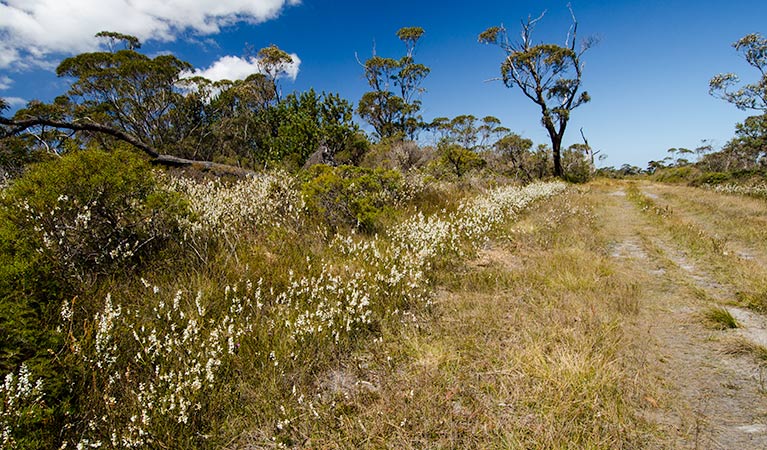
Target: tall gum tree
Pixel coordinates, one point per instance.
(392, 105)
(749, 147)
(274, 63)
(548, 74)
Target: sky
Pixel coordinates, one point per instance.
(647, 77)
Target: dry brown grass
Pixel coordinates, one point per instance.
(723, 232)
(527, 350)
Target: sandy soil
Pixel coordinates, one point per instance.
(712, 398)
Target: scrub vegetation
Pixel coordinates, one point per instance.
(190, 264)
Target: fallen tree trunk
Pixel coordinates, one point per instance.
(19, 126)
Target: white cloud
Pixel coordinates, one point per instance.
(15, 102)
(236, 68)
(32, 30)
(5, 82)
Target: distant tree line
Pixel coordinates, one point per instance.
(746, 152)
(158, 106)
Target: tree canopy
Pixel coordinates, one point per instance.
(748, 96)
(156, 105)
(748, 148)
(392, 106)
(548, 74)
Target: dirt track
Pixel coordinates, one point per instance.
(712, 397)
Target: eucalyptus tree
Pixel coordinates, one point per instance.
(128, 90)
(517, 152)
(749, 96)
(463, 130)
(273, 63)
(392, 106)
(490, 131)
(468, 131)
(156, 106)
(749, 146)
(549, 75)
(513, 145)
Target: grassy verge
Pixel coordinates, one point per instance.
(253, 327)
(725, 266)
(528, 349)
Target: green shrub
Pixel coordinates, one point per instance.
(352, 196)
(459, 160)
(576, 167)
(684, 174)
(712, 178)
(63, 225)
(89, 212)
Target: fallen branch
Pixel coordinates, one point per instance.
(19, 126)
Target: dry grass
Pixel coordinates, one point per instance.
(742, 219)
(743, 346)
(528, 350)
(715, 231)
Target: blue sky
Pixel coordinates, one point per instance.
(648, 76)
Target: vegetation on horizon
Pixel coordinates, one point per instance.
(217, 287)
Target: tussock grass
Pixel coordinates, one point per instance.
(527, 350)
(743, 346)
(719, 318)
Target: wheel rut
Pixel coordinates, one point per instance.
(710, 397)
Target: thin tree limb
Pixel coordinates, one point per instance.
(19, 126)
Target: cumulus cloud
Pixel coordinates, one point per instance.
(236, 68)
(32, 30)
(15, 102)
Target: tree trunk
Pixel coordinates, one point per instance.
(556, 138)
(556, 146)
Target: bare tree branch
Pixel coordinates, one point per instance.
(19, 126)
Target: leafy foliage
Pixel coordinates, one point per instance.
(308, 122)
(749, 96)
(459, 160)
(91, 211)
(746, 151)
(518, 158)
(273, 63)
(160, 108)
(467, 132)
(129, 91)
(393, 104)
(577, 167)
(548, 74)
(64, 226)
(352, 196)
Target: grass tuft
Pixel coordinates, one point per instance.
(742, 346)
(720, 318)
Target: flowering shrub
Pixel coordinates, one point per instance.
(243, 206)
(90, 211)
(402, 263)
(327, 304)
(152, 366)
(21, 400)
(755, 190)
